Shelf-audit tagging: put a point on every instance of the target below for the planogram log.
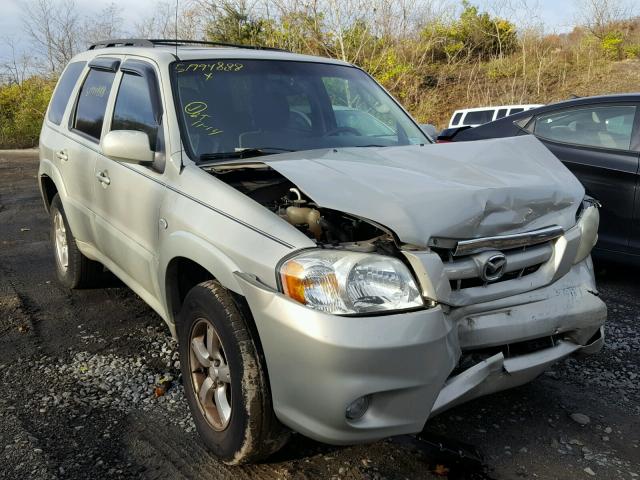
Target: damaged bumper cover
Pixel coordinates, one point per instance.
(519, 342)
(319, 364)
(497, 373)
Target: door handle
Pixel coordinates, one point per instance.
(103, 178)
(62, 155)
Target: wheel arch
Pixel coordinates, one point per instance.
(48, 189)
(190, 260)
(50, 182)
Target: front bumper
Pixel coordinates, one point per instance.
(318, 364)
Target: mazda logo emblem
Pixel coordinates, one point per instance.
(494, 267)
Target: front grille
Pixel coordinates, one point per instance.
(478, 282)
(465, 271)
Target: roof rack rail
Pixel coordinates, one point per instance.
(122, 42)
(143, 42)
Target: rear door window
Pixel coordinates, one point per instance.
(595, 126)
(92, 103)
(516, 110)
(478, 117)
(63, 91)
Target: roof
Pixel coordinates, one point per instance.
(191, 53)
(166, 51)
(614, 97)
(495, 107)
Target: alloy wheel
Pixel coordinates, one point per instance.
(60, 241)
(210, 375)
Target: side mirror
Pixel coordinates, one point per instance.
(129, 146)
(429, 130)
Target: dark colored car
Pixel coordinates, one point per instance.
(598, 139)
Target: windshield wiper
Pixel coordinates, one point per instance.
(244, 153)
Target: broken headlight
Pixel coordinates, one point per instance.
(588, 221)
(343, 282)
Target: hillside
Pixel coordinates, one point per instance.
(433, 63)
(470, 89)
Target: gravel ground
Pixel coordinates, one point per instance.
(91, 389)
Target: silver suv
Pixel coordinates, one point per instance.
(325, 268)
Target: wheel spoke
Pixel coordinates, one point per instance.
(206, 392)
(200, 352)
(222, 404)
(223, 373)
(212, 341)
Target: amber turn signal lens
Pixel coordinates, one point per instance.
(293, 281)
(298, 282)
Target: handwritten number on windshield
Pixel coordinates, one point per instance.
(207, 69)
(195, 110)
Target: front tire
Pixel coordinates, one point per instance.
(73, 269)
(224, 378)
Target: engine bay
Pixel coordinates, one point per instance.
(327, 227)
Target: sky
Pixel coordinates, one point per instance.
(556, 15)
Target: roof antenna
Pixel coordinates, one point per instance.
(176, 28)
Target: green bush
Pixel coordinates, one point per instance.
(632, 51)
(475, 34)
(22, 109)
(612, 45)
(501, 68)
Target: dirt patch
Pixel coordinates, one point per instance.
(14, 317)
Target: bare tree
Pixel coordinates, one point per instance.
(173, 19)
(106, 24)
(599, 16)
(17, 67)
(54, 28)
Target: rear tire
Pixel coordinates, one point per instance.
(73, 269)
(225, 379)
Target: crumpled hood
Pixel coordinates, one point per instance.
(457, 190)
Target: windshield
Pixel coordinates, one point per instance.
(227, 107)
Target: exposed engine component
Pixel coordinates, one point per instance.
(325, 226)
(297, 214)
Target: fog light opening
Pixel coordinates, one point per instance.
(357, 408)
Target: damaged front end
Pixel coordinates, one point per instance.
(542, 308)
(401, 324)
(326, 226)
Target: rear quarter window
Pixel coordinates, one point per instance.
(92, 103)
(456, 118)
(63, 91)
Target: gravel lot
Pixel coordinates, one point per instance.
(91, 389)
